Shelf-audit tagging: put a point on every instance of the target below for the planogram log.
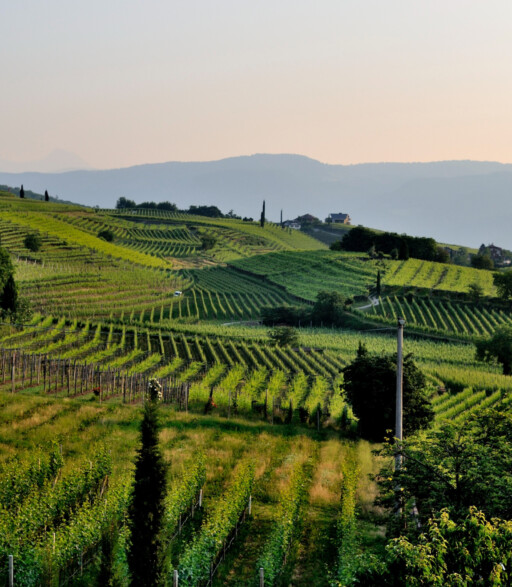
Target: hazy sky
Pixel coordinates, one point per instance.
(121, 82)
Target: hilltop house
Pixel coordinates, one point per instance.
(496, 253)
(338, 218)
(292, 224)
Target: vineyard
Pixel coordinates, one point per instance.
(62, 501)
(441, 316)
(266, 482)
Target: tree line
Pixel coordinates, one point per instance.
(398, 246)
(203, 210)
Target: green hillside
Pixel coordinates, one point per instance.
(179, 298)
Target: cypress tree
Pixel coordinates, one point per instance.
(262, 219)
(377, 289)
(22, 192)
(145, 556)
(282, 219)
(403, 253)
(46, 196)
(9, 297)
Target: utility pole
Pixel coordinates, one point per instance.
(399, 389)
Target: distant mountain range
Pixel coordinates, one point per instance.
(463, 202)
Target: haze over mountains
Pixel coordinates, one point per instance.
(57, 161)
(463, 202)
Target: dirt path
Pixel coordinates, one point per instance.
(373, 302)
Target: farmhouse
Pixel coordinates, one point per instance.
(338, 218)
(292, 224)
(496, 253)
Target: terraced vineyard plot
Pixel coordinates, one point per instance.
(430, 275)
(54, 226)
(239, 239)
(306, 274)
(438, 316)
(118, 291)
(54, 250)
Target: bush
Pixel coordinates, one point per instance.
(33, 242)
(284, 335)
(106, 235)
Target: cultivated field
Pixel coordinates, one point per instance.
(264, 469)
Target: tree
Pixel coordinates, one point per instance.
(482, 262)
(284, 335)
(209, 211)
(33, 242)
(474, 551)
(208, 242)
(124, 203)
(442, 255)
(497, 348)
(358, 238)
(456, 466)
(284, 315)
(46, 196)
(9, 297)
(475, 291)
(329, 308)
(370, 387)
(461, 256)
(145, 557)
(378, 286)
(6, 267)
(503, 283)
(22, 192)
(262, 217)
(403, 251)
(106, 234)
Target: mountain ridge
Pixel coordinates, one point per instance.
(453, 201)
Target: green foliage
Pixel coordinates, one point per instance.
(106, 234)
(145, 555)
(497, 348)
(363, 239)
(289, 315)
(9, 298)
(195, 562)
(403, 250)
(208, 242)
(17, 479)
(456, 466)
(474, 551)
(284, 335)
(124, 203)
(482, 262)
(503, 283)
(329, 308)
(348, 561)
(6, 267)
(288, 524)
(180, 498)
(208, 211)
(475, 292)
(370, 387)
(51, 506)
(33, 242)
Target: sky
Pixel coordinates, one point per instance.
(125, 82)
